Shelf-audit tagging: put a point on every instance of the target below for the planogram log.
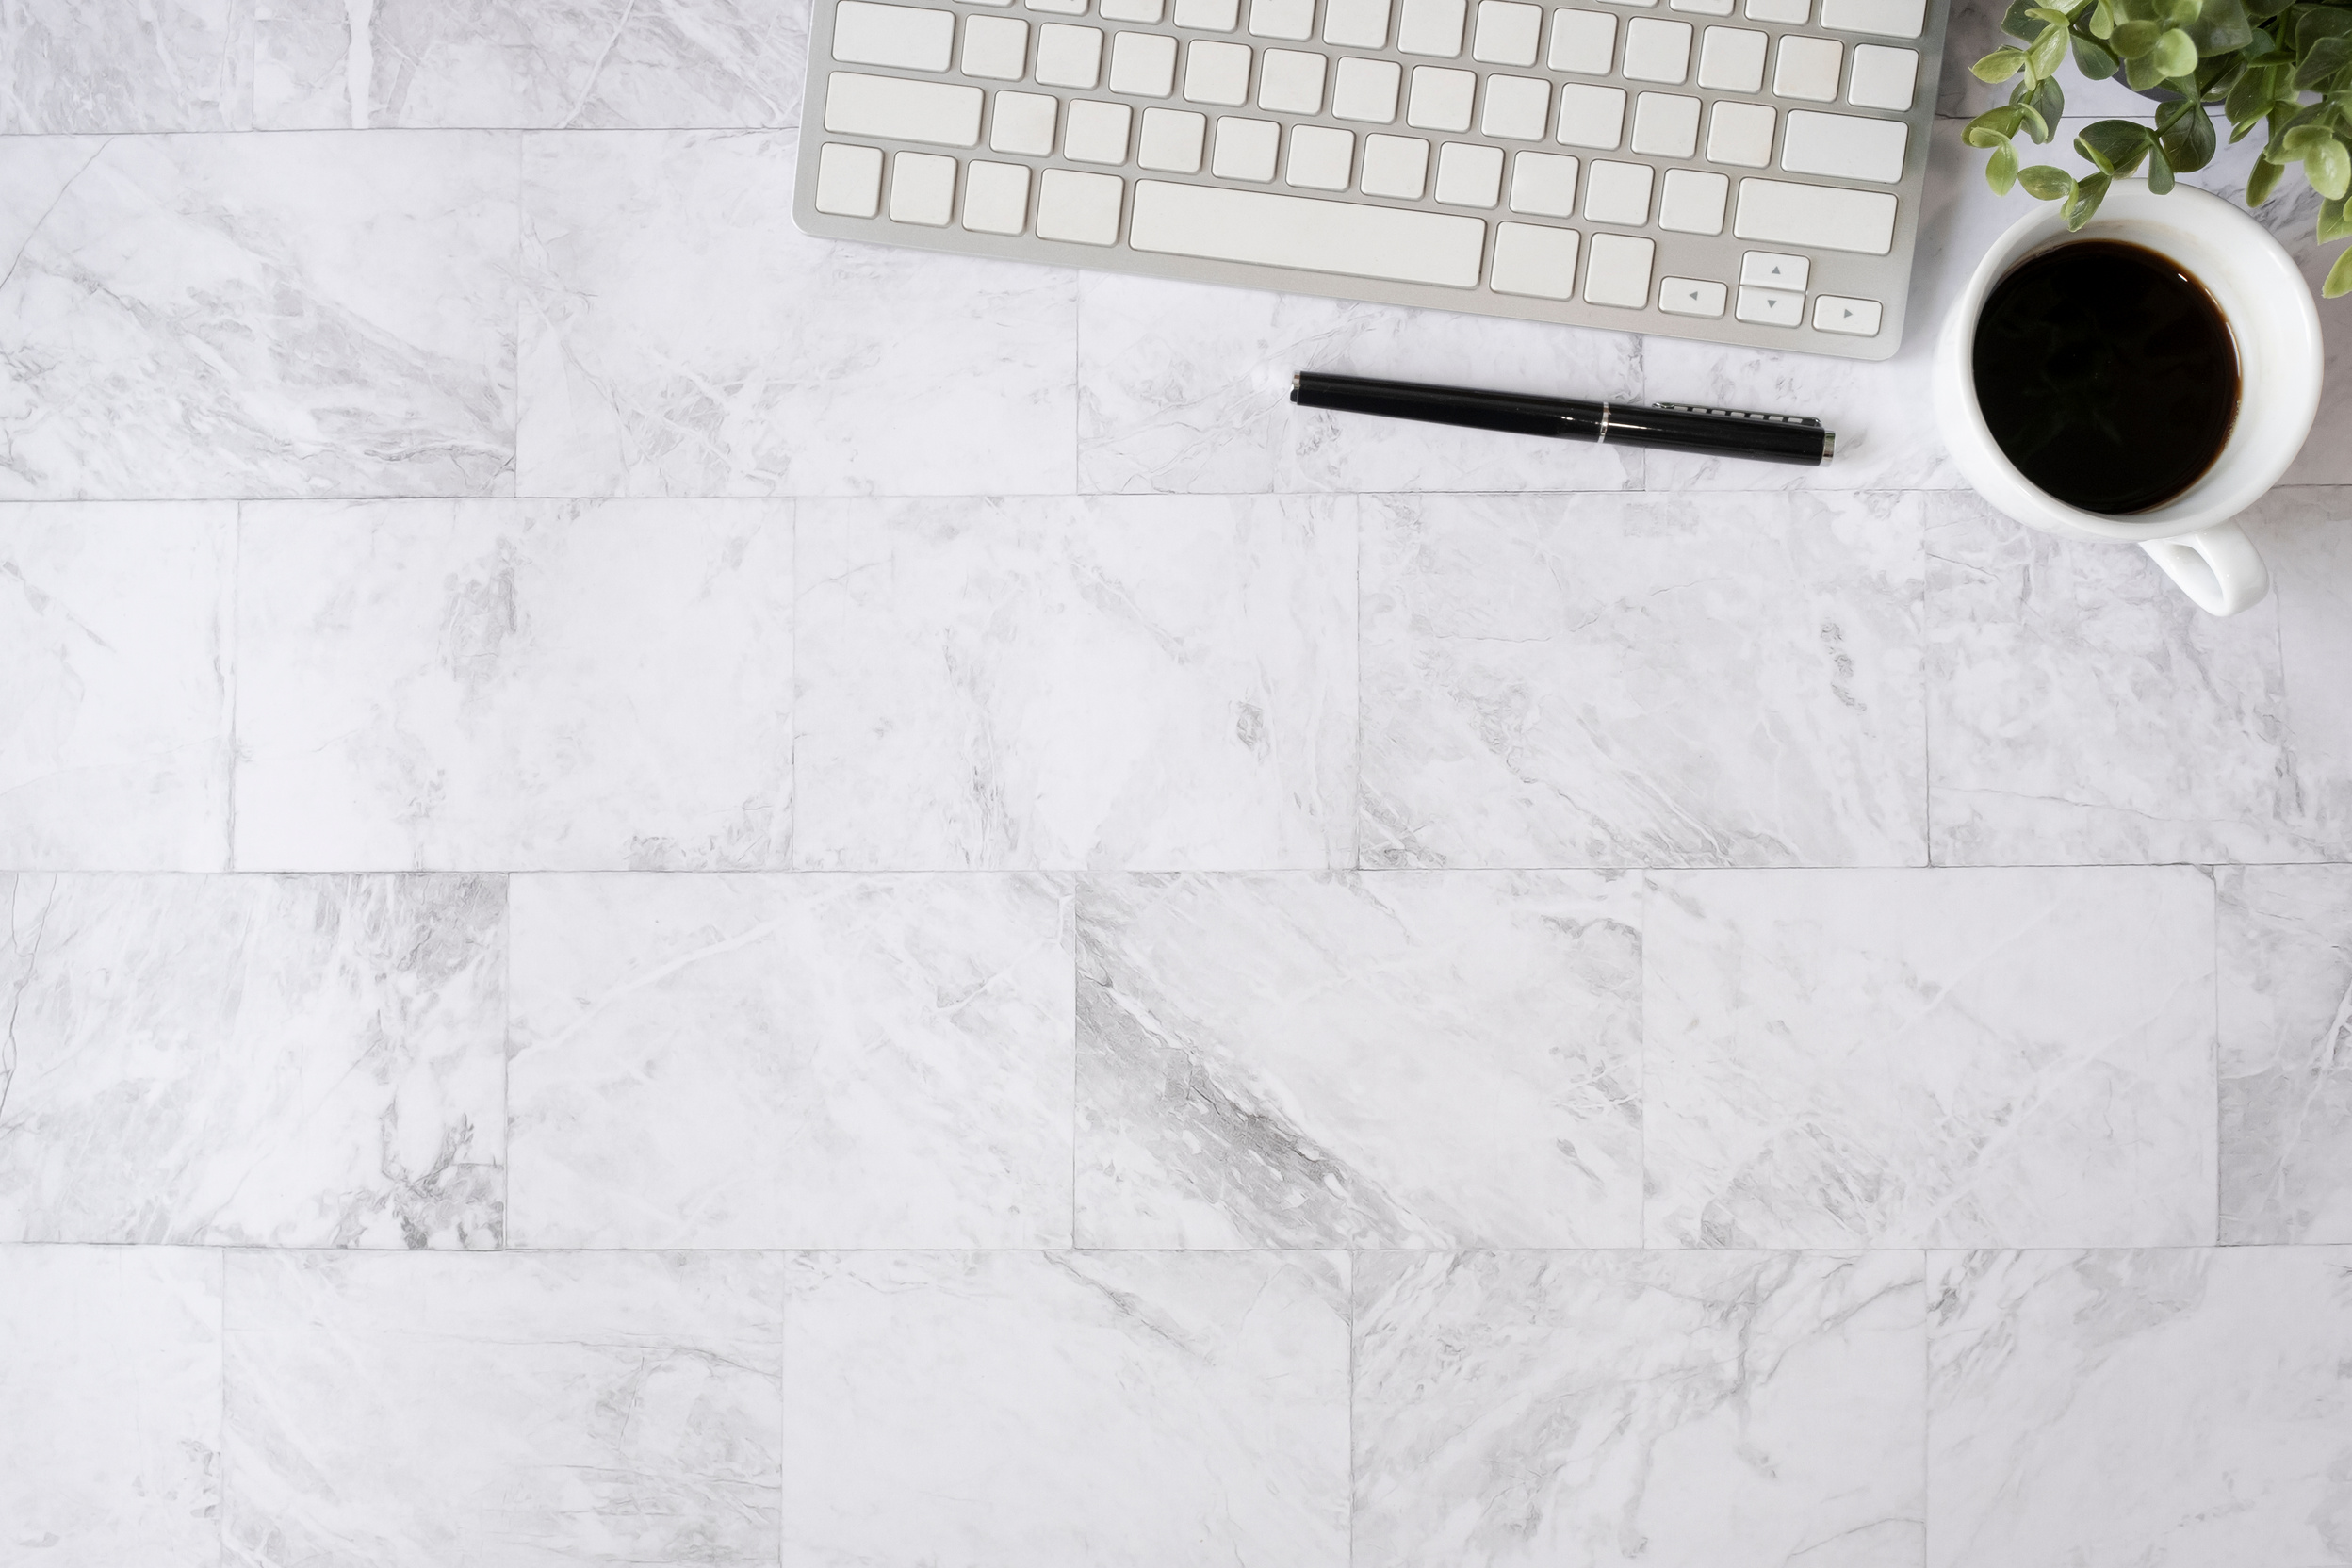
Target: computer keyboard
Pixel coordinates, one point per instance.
(1749, 178)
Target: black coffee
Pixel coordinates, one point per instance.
(2107, 374)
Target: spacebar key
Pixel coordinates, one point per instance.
(1218, 224)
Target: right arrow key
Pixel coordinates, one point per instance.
(1854, 318)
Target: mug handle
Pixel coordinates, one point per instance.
(2217, 567)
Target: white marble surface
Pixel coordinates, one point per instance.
(781, 1061)
(1341, 993)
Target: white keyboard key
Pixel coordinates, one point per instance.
(1731, 59)
(1023, 123)
(1356, 24)
(1544, 184)
(1321, 159)
(1787, 13)
(1095, 132)
(1394, 166)
(1657, 50)
(1469, 176)
(1584, 42)
(1617, 270)
(1591, 116)
(1665, 124)
(1211, 16)
(1245, 149)
(1441, 99)
(1367, 90)
(1319, 235)
(1068, 57)
(1693, 200)
(996, 197)
(947, 113)
(1430, 27)
(1290, 19)
(996, 47)
(1518, 109)
(1507, 32)
(922, 189)
(1146, 11)
(1742, 133)
(1823, 218)
(1892, 18)
(1173, 141)
(1701, 8)
(849, 180)
(1618, 193)
(1843, 146)
(1536, 261)
(1775, 270)
(1691, 297)
(1883, 78)
(1217, 72)
(1631, 2)
(867, 34)
(1143, 64)
(1079, 207)
(1771, 307)
(1807, 68)
(1060, 7)
(1854, 317)
(1290, 81)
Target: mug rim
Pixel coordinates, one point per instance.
(2305, 359)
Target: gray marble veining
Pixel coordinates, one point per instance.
(2285, 960)
(260, 1061)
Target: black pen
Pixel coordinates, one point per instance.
(1675, 427)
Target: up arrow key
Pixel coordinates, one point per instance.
(1772, 269)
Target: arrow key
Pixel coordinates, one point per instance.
(1854, 317)
(1691, 297)
(1771, 270)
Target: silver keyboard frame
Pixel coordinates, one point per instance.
(1886, 279)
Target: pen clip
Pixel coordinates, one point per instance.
(1744, 414)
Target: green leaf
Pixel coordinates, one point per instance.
(2141, 73)
(2334, 222)
(2339, 276)
(2047, 183)
(1994, 126)
(2000, 169)
(2092, 60)
(2189, 143)
(2262, 10)
(2086, 200)
(2314, 23)
(2116, 146)
(2176, 13)
(2329, 167)
(2052, 17)
(2322, 60)
(2249, 96)
(2102, 21)
(2220, 28)
(2175, 54)
(2159, 171)
(2135, 39)
(2263, 183)
(2020, 21)
(2301, 138)
(2044, 105)
(1998, 66)
(2047, 53)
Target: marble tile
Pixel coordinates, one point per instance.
(2285, 960)
(790, 1061)
(254, 1061)
(2019, 1058)
(616, 63)
(110, 1373)
(1383, 1059)
(1643, 680)
(515, 684)
(111, 66)
(2082, 710)
(1131, 684)
(1671, 1410)
(415, 1412)
(1122, 1409)
(1186, 387)
(682, 337)
(236, 316)
(114, 719)
(2140, 1409)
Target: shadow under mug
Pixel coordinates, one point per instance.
(2280, 359)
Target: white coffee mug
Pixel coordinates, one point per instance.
(2280, 358)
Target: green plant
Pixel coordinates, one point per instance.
(2281, 68)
